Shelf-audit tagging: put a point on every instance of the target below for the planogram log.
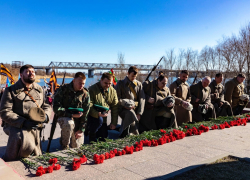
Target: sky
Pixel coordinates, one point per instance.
(38, 32)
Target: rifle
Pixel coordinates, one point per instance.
(53, 126)
(154, 68)
(52, 131)
(63, 78)
(195, 78)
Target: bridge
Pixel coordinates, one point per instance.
(107, 66)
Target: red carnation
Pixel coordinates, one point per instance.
(39, 172)
(40, 168)
(106, 155)
(96, 157)
(83, 159)
(119, 153)
(49, 169)
(102, 157)
(57, 167)
(53, 160)
(123, 152)
(75, 167)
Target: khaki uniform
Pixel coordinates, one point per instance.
(225, 109)
(66, 97)
(153, 111)
(203, 94)
(180, 91)
(111, 102)
(15, 105)
(233, 91)
(129, 118)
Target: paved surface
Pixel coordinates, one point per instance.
(152, 162)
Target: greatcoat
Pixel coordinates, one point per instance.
(124, 92)
(203, 94)
(15, 105)
(225, 109)
(181, 92)
(233, 91)
(150, 111)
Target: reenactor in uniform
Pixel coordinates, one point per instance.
(159, 106)
(23, 112)
(222, 107)
(131, 102)
(102, 94)
(203, 109)
(234, 94)
(72, 122)
(179, 89)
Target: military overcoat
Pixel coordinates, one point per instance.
(15, 105)
(225, 109)
(233, 91)
(203, 94)
(181, 92)
(124, 92)
(148, 118)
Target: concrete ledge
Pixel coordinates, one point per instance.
(8, 173)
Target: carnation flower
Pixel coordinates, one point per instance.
(53, 160)
(57, 167)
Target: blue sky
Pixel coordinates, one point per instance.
(38, 32)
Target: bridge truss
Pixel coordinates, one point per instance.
(107, 66)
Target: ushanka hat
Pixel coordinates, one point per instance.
(202, 109)
(127, 103)
(167, 100)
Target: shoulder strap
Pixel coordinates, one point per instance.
(26, 92)
(133, 91)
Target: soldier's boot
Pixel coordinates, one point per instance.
(124, 133)
(133, 129)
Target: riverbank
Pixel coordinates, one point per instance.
(39, 77)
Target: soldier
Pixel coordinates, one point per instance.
(234, 94)
(222, 107)
(131, 102)
(104, 95)
(180, 90)
(23, 111)
(201, 101)
(158, 111)
(72, 123)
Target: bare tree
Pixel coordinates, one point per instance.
(188, 58)
(205, 58)
(121, 62)
(180, 57)
(245, 50)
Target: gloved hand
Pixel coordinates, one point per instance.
(30, 124)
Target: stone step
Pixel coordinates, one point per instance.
(7, 173)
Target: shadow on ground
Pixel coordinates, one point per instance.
(55, 143)
(234, 168)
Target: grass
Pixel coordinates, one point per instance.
(229, 168)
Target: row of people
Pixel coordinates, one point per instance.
(142, 106)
